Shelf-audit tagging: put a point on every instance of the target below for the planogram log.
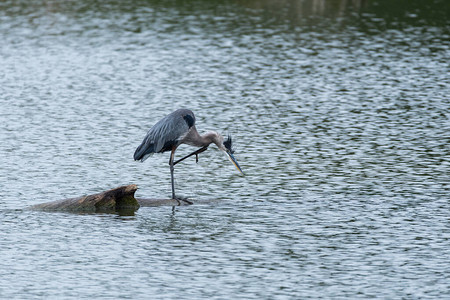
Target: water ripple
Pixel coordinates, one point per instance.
(340, 119)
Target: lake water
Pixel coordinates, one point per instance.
(340, 115)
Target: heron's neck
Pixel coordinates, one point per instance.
(203, 140)
(210, 137)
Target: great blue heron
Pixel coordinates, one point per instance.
(179, 128)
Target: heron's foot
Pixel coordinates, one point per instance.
(179, 199)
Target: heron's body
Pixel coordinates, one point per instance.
(175, 129)
(167, 133)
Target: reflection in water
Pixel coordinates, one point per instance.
(385, 13)
(296, 12)
(297, 9)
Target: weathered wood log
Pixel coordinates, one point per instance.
(120, 199)
(114, 200)
(145, 202)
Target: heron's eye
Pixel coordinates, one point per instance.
(229, 144)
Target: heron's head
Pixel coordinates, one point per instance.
(227, 147)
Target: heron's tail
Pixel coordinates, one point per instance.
(144, 151)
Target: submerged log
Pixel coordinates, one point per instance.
(146, 202)
(120, 200)
(115, 200)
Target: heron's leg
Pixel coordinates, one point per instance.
(196, 153)
(171, 164)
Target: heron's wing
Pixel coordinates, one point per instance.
(168, 133)
(165, 134)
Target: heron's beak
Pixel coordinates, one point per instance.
(234, 161)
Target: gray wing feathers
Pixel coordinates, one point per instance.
(166, 132)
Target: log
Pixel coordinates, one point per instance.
(146, 202)
(120, 199)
